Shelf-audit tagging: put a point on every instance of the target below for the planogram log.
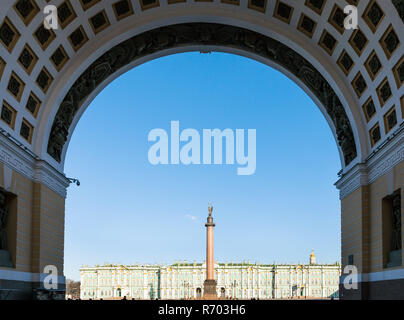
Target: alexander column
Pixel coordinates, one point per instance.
(209, 286)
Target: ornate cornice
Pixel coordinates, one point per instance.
(16, 158)
(355, 178)
(200, 34)
(378, 163)
(47, 175)
(23, 162)
(389, 155)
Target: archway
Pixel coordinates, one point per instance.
(185, 37)
(222, 293)
(46, 93)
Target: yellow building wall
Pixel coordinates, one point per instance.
(20, 251)
(361, 221)
(379, 189)
(352, 222)
(36, 233)
(48, 225)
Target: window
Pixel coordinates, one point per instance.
(391, 230)
(8, 228)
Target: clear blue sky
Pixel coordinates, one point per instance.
(127, 210)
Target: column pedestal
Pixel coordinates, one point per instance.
(209, 290)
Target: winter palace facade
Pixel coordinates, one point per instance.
(234, 280)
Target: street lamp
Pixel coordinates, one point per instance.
(73, 180)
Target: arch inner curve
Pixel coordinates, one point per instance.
(199, 34)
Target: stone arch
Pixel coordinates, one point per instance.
(361, 70)
(325, 44)
(200, 35)
(312, 28)
(293, 24)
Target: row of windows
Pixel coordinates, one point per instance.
(280, 279)
(237, 293)
(138, 278)
(232, 276)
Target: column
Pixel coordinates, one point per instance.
(210, 283)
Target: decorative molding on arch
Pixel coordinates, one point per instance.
(379, 163)
(387, 157)
(199, 34)
(50, 177)
(352, 180)
(28, 165)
